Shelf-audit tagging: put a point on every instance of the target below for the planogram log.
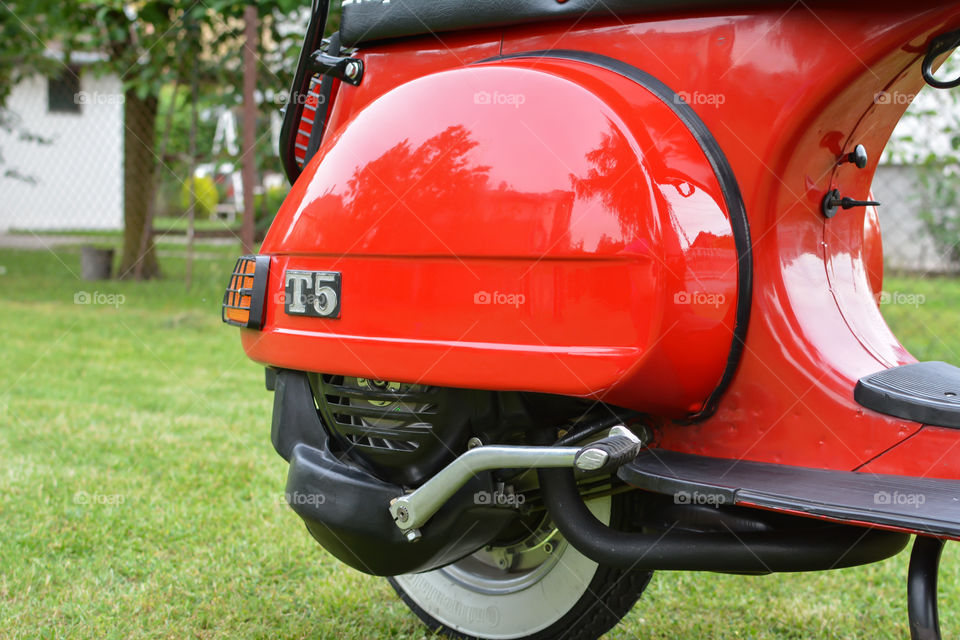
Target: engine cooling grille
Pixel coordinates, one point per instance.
(376, 416)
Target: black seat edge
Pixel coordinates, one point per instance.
(927, 392)
(370, 20)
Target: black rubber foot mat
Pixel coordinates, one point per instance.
(920, 505)
(927, 392)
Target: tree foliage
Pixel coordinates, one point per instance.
(147, 43)
(150, 44)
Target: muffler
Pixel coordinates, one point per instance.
(814, 548)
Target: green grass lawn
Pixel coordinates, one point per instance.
(140, 496)
(925, 314)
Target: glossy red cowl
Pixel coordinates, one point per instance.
(550, 225)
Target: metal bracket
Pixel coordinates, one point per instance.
(345, 68)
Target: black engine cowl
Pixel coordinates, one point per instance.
(345, 506)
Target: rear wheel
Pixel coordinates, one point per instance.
(535, 588)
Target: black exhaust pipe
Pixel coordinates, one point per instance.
(814, 549)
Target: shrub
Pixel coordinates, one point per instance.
(206, 192)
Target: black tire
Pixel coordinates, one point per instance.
(608, 596)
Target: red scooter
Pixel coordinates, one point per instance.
(566, 292)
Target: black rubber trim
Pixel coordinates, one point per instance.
(927, 392)
(921, 505)
(729, 186)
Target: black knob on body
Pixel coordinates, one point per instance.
(858, 157)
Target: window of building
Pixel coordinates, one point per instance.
(63, 92)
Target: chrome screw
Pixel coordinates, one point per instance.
(352, 70)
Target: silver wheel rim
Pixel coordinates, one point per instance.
(533, 558)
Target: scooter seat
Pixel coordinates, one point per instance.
(927, 392)
(369, 20)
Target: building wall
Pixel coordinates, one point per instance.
(79, 176)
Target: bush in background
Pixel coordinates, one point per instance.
(206, 193)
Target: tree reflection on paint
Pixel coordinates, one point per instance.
(622, 188)
(434, 175)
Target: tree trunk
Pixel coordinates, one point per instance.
(139, 161)
(248, 168)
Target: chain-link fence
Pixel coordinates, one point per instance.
(76, 150)
(909, 241)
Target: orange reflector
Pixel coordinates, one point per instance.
(244, 297)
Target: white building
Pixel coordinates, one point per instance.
(76, 179)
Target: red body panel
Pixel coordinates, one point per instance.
(604, 269)
(475, 254)
(931, 453)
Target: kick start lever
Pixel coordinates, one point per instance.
(412, 511)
